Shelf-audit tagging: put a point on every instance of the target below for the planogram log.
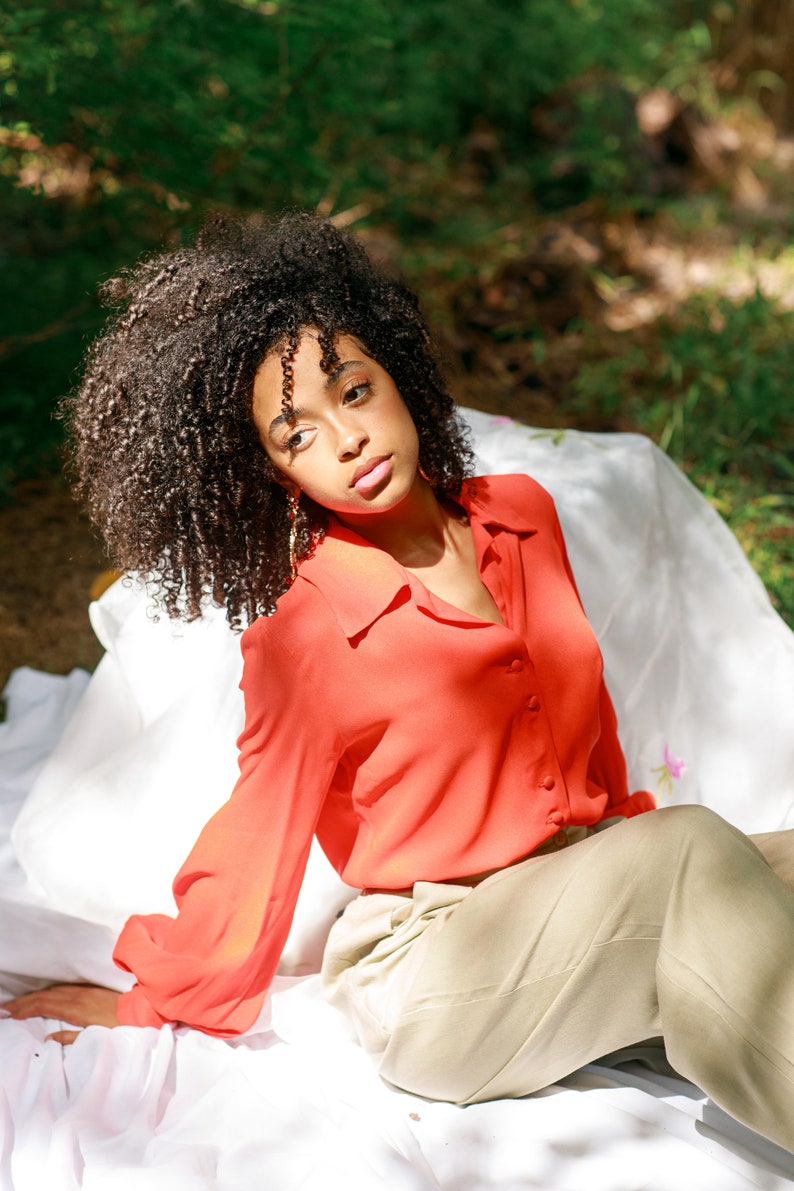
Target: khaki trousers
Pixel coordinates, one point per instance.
(672, 923)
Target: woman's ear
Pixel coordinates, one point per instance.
(290, 487)
(276, 476)
(293, 490)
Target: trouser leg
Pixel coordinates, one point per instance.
(777, 848)
(671, 923)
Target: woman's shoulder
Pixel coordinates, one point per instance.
(301, 621)
(513, 498)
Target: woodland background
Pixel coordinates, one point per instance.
(592, 196)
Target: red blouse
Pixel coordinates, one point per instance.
(417, 741)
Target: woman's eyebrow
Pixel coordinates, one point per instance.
(341, 369)
(289, 416)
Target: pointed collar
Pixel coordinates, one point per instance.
(360, 581)
(496, 500)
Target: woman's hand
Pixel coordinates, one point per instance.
(81, 1004)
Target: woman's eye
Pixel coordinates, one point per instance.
(297, 440)
(356, 393)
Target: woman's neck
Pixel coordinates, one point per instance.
(434, 542)
(416, 532)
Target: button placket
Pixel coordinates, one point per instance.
(548, 781)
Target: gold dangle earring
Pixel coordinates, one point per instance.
(293, 498)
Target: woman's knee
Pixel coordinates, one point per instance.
(694, 825)
(679, 844)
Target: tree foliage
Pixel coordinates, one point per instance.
(123, 121)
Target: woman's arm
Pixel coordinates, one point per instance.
(211, 965)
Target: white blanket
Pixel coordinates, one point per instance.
(104, 811)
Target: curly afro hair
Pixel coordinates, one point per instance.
(167, 457)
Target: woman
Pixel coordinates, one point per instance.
(265, 421)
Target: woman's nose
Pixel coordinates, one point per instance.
(352, 441)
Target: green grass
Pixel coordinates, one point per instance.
(713, 387)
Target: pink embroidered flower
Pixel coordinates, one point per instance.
(676, 766)
(501, 420)
(673, 769)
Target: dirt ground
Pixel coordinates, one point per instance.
(48, 561)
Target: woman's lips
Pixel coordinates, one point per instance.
(373, 473)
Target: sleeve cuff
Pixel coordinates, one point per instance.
(636, 804)
(135, 1010)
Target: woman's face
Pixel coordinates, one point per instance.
(349, 441)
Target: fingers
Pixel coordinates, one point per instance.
(78, 1004)
(28, 1005)
(65, 1037)
(43, 1002)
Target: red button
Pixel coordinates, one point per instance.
(533, 704)
(556, 819)
(516, 666)
(548, 783)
